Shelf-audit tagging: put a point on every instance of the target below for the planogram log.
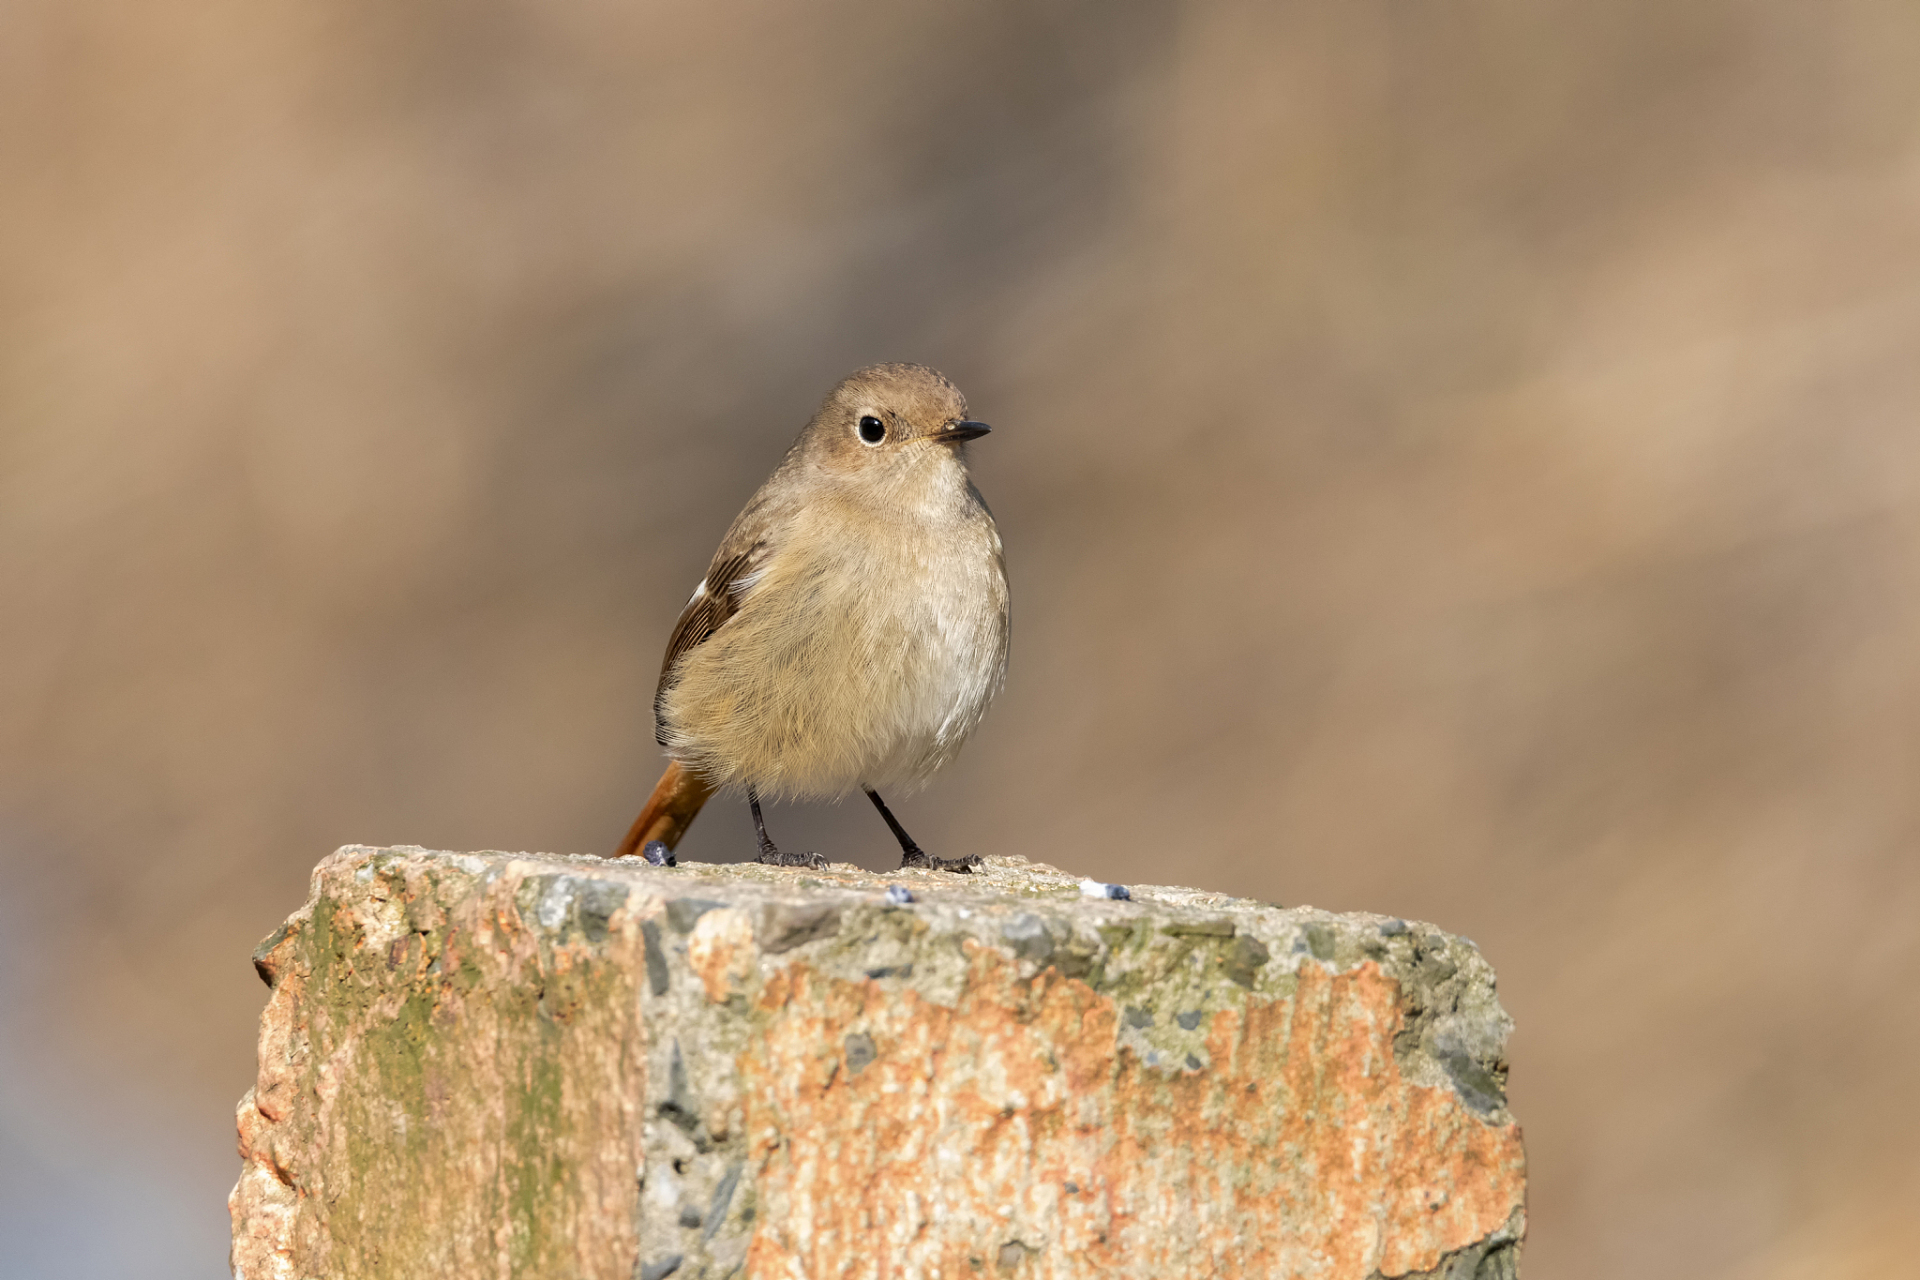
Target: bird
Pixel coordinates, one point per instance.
(852, 628)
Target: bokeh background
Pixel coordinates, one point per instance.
(1457, 460)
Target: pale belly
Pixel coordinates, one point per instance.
(863, 670)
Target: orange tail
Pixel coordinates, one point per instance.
(670, 810)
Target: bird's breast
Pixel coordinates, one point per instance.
(864, 654)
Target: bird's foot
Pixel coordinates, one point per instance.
(918, 857)
(772, 857)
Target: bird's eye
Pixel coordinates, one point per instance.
(872, 430)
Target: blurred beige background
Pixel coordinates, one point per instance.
(1456, 460)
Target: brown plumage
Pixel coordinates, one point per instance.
(852, 627)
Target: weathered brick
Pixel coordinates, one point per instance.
(507, 1065)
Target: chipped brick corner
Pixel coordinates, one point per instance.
(514, 1065)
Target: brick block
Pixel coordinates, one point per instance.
(512, 1065)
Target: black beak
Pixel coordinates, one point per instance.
(961, 432)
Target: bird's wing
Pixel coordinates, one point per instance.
(716, 599)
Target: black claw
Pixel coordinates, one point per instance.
(917, 857)
(772, 857)
(911, 854)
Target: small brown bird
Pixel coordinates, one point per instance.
(852, 627)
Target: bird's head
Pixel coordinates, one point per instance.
(891, 424)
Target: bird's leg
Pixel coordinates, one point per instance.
(772, 856)
(911, 854)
